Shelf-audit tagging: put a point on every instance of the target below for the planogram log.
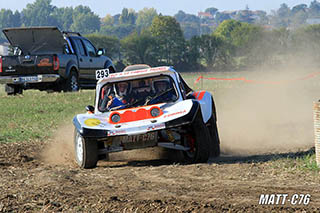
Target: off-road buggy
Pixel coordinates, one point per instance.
(155, 108)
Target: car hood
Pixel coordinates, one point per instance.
(35, 40)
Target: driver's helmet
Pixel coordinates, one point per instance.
(122, 88)
(161, 84)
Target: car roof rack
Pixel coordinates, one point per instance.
(71, 33)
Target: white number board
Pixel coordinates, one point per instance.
(100, 74)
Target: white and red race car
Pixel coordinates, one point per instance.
(145, 107)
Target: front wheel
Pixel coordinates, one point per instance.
(197, 142)
(86, 151)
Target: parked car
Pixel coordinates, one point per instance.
(45, 58)
(146, 107)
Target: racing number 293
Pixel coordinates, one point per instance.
(102, 73)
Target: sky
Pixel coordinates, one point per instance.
(166, 7)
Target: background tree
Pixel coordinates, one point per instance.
(211, 10)
(169, 39)
(84, 20)
(226, 28)
(8, 19)
(128, 16)
(63, 17)
(190, 24)
(220, 17)
(110, 43)
(108, 20)
(139, 49)
(191, 29)
(263, 18)
(306, 43)
(281, 17)
(314, 9)
(213, 50)
(299, 15)
(191, 58)
(245, 16)
(39, 13)
(145, 17)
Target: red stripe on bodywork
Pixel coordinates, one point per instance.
(201, 95)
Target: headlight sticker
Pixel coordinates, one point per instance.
(92, 122)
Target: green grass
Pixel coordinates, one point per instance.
(36, 115)
(304, 163)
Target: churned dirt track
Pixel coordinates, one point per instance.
(146, 184)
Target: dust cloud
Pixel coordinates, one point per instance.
(268, 118)
(60, 149)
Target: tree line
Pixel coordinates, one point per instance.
(188, 42)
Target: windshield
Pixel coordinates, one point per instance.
(135, 93)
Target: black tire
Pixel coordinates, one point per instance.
(12, 89)
(214, 135)
(86, 151)
(111, 69)
(198, 141)
(72, 83)
(215, 141)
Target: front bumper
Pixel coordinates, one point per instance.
(29, 79)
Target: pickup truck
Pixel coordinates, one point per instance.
(46, 58)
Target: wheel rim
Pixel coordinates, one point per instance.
(79, 149)
(74, 83)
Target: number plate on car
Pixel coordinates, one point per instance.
(100, 74)
(148, 137)
(28, 79)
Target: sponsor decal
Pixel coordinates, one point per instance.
(92, 122)
(116, 132)
(175, 113)
(45, 62)
(282, 199)
(129, 73)
(156, 126)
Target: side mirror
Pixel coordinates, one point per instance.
(90, 109)
(101, 51)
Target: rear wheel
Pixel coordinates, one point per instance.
(86, 151)
(12, 89)
(213, 130)
(215, 141)
(198, 142)
(72, 83)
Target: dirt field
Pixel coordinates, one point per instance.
(140, 181)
